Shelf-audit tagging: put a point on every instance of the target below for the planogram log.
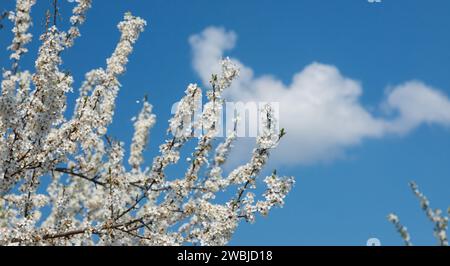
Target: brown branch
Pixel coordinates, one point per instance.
(81, 231)
(137, 201)
(70, 172)
(55, 11)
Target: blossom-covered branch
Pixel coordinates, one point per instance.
(65, 181)
(435, 216)
(402, 230)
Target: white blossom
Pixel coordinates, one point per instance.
(142, 125)
(94, 197)
(22, 22)
(435, 216)
(402, 230)
(78, 18)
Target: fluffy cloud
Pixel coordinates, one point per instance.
(417, 103)
(320, 109)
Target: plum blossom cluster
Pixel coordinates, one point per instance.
(65, 181)
(402, 230)
(434, 215)
(22, 22)
(142, 125)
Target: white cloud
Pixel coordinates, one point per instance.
(321, 108)
(208, 48)
(417, 103)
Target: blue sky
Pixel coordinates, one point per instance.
(343, 199)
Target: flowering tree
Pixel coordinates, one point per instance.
(94, 196)
(439, 220)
